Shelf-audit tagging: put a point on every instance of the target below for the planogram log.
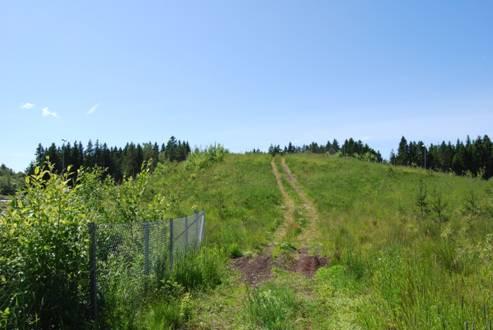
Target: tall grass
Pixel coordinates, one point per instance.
(202, 269)
(239, 193)
(415, 240)
(271, 307)
(166, 303)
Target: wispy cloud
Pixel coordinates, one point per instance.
(93, 109)
(27, 105)
(47, 113)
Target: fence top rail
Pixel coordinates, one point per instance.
(155, 222)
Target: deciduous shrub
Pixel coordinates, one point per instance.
(44, 244)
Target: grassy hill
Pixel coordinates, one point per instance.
(300, 241)
(415, 244)
(238, 193)
(407, 248)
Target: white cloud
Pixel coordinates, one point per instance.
(47, 113)
(93, 109)
(27, 105)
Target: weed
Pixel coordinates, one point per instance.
(234, 251)
(471, 205)
(439, 207)
(271, 307)
(200, 269)
(422, 199)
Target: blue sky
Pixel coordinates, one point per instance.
(243, 73)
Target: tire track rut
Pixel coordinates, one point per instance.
(258, 269)
(288, 203)
(311, 211)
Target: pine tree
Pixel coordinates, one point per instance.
(335, 146)
(40, 154)
(392, 157)
(402, 152)
(171, 149)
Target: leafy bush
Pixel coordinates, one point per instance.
(44, 255)
(9, 180)
(202, 159)
(44, 239)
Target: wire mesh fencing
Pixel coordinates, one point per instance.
(128, 256)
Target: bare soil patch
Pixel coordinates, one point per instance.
(257, 269)
(254, 270)
(308, 264)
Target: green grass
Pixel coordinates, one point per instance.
(393, 264)
(299, 216)
(271, 307)
(416, 271)
(239, 194)
(407, 248)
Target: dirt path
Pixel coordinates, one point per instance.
(290, 266)
(311, 210)
(257, 269)
(288, 204)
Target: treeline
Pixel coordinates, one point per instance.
(118, 162)
(350, 148)
(10, 181)
(470, 157)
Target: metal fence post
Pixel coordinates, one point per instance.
(92, 271)
(197, 229)
(164, 238)
(186, 233)
(202, 225)
(146, 248)
(171, 238)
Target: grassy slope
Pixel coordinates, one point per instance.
(409, 271)
(391, 267)
(240, 197)
(242, 204)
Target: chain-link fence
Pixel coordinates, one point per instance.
(127, 256)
